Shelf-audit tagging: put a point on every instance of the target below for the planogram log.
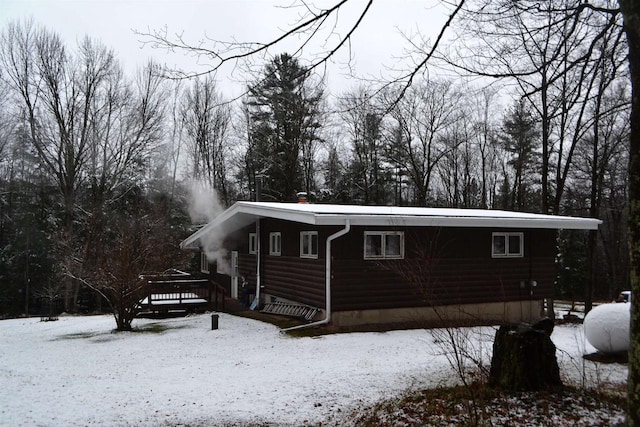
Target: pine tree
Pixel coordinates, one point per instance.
(284, 112)
(520, 139)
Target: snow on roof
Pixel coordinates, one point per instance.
(242, 214)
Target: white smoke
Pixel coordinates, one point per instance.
(221, 258)
(204, 207)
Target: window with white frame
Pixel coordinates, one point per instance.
(275, 243)
(308, 244)
(204, 262)
(383, 245)
(506, 245)
(253, 243)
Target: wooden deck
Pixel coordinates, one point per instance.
(181, 292)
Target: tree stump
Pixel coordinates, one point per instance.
(524, 358)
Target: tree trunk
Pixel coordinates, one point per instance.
(631, 14)
(591, 271)
(524, 358)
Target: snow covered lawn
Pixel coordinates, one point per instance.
(75, 371)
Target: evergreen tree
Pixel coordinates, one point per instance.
(26, 226)
(284, 121)
(520, 139)
(367, 168)
(572, 265)
(336, 187)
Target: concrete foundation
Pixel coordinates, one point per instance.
(467, 314)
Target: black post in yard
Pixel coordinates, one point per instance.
(214, 322)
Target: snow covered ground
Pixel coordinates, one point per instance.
(75, 371)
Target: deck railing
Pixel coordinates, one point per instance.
(182, 292)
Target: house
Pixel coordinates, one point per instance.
(384, 264)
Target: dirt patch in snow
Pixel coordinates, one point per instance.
(480, 405)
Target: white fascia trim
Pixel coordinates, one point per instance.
(278, 213)
(249, 209)
(191, 241)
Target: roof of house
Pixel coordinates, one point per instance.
(242, 214)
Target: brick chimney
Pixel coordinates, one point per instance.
(302, 197)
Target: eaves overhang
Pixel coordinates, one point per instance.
(242, 214)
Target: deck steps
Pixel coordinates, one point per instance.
(291, 309)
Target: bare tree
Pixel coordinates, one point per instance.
(139, 241)
(175, 143)
(363, 121)
(422, 116)
(207, 125)
(599, 187)
(548, 50)
(485, 140)
(563, 56)
(52, 94)
(125, 129)
(7, 124)
(315, 24)
(458, 169)
(126, 124)
(88, 125)
(606, 117)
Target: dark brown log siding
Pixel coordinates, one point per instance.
(296, 279)
(288, 275)
(247, 266)
(441, 266)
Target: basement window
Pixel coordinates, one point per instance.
(383, 245)
(308, 244)
(507, 245)
(275, 243)
(253, 243)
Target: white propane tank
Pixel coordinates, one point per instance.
(607, 327)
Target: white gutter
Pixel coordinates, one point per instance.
(551, 222)
(327, 280)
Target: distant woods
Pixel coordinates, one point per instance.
(84, 147)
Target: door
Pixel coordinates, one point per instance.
(234, 274)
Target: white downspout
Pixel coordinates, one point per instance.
(327, 280)
(258, 262)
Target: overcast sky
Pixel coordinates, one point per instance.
(378, 44)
